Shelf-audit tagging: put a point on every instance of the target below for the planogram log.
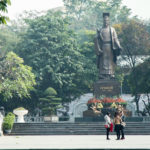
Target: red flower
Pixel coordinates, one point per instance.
(106, 100)
(120, 100)
(94, 100)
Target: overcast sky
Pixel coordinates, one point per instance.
(138, 7)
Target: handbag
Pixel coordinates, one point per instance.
(123, 124)
(106, 126)
(111, 127)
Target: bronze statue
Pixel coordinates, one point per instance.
(107, 48)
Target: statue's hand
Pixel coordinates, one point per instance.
(120, 48)
(100, 52)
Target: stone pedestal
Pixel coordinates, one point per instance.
(108, 88)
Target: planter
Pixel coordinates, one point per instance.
(47, 119)
(51, 118)
(20, 114)
(8, 123)
(54, 118)
(7, 131)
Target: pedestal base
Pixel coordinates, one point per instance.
(108, 88)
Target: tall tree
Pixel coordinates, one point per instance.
(51, 48)
(135, 42)
(142, 72)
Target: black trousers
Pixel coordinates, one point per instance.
(107, 132)
(122, 131)
(117, 129)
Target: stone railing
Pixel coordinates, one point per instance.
(40, 119)
(32, 119)
(146, 119)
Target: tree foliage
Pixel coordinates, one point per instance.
(16, 79)
(8, 39)
(87, 49)
(141, 72)
(3, 9)
(87, 14)
(51, 48)
(135, 42)
(49, 103)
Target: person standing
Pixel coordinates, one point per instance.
(117, 123)
(122, 125)
(107, 124)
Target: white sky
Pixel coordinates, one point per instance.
(138, 7)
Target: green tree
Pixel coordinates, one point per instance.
(50, 102)
(135, 42)
(87, 49)
(142, 86)
(16, 79)
(50, 47)
(3, 9)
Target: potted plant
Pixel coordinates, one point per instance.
(8, 123)
(20, 112)
(49, 104)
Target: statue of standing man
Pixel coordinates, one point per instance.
(107, 48)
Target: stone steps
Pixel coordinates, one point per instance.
(84, 128)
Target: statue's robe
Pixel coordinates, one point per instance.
(107, 48)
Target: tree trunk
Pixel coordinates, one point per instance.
(137, 97)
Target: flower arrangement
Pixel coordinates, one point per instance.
(110, 102)
(93, 101)
(99, 105)
(114, 105)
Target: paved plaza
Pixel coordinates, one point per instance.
(74, 142)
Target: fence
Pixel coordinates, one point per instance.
(40, 119)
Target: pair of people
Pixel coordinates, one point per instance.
(118, 122)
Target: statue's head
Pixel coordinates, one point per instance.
(106, 19)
